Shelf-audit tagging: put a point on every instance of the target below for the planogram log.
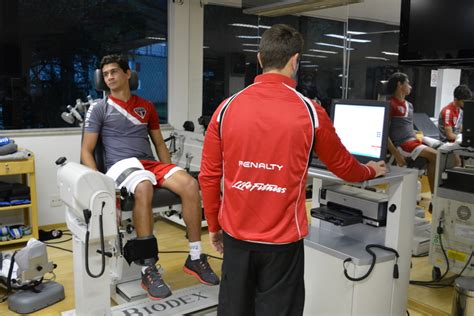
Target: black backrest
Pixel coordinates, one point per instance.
(422, 122)
(99, 155)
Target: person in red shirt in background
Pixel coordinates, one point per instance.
(258, 145)
(450, 117)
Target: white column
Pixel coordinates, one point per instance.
(185, 61)
(448, 79)
(178, 62)
(196, 61)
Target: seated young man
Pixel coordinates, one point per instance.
(124, 122)
(402, 140)
(450, 117)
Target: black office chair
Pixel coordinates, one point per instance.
(161, 196)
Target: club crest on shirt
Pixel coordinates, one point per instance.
(140, 112)
(401, 109)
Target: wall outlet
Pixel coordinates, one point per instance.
(55, 201)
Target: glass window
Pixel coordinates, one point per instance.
(231, 40)
(49, 50)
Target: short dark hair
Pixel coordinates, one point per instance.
(121, 60)
(278, 45)
(394, 80)
(462, 92)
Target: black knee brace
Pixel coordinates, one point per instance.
(141, 250)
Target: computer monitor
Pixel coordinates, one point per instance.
(362, 126)
(468, 124)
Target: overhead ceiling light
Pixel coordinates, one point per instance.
(377, 58)
(305, 61)
(356, 33)
(249, 36)
(249, 44)
(250, 50)
(250, 26)
(355, 40)
(309, 66)
(390, 53)
(332, 45)
(156, 38)
(205, 47)
(323, 51)
(315, 56)
(287, 7)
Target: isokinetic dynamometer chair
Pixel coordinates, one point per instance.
(127, 277)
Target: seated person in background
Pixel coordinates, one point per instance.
(124, 122)
(450, 117)
(402, 140)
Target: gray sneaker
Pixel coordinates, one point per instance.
(201, 269)
(153, 283)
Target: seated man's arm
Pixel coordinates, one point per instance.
(448, 131)
(89, 142)
(160, 146)
(395, 153)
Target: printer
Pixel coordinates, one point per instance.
(345, 205)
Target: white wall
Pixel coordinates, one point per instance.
(448, 80)
(47, 147)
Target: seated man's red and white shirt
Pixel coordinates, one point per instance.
(402, 132)
(450, 115)
(124, 130)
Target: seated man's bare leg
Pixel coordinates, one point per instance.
(430, 155)
(142, 212)
(187, 188)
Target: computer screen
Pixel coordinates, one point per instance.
(468, 124)
(362, 126)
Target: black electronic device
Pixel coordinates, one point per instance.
(362, 126)
(337, 215)
(436, 32)
(468, 124)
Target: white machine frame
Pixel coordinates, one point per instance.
(82, 188)
(455, 210)
(328, 292)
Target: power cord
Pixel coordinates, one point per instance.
(87, 217)
(368, 248)
(435, 283)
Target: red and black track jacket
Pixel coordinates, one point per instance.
(258, 143)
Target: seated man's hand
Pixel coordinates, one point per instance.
(216, 241)
(379, 167)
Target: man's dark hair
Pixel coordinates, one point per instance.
(278, 45)
(462, 92)
(114, 58)
(394, 80)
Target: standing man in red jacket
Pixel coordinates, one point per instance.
(258, 144)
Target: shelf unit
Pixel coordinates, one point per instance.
(26, 170)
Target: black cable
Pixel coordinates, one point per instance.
(57, 242)
(56, 247)
(372, 264)
(421, 256)
(102, 245)
(184, 251)
(467, 264)
(435, 283)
